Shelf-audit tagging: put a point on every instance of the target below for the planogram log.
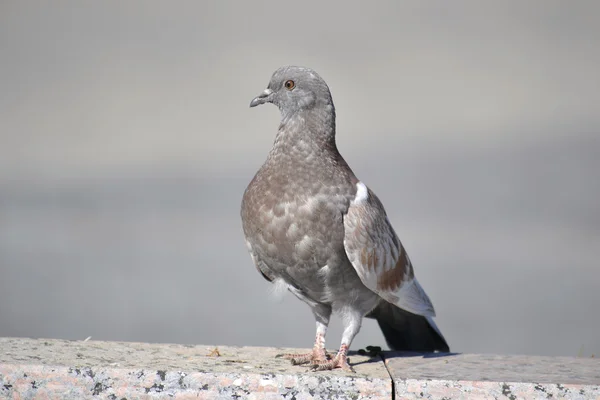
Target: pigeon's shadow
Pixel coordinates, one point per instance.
(372, 358)
(402, 354)
(387, 355)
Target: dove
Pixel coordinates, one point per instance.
(313, 227)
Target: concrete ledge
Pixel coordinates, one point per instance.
(58, 369)
(481, 376)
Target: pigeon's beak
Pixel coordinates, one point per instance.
(265, 97)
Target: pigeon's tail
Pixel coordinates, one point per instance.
(405, 331)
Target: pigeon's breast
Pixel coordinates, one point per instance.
(294, 221)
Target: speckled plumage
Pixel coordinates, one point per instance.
(310, 223)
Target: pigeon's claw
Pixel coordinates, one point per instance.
(300, 359)
(339, 361)
(315, 357)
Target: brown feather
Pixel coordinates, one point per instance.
(391, 279)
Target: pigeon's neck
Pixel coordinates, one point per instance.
(305, 157)
(315, 128)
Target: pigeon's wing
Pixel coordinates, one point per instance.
(259, 264)
(378, 257)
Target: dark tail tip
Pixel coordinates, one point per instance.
(405, 331)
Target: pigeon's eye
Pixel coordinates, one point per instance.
(289, 85)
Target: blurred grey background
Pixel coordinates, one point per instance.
(126, 143)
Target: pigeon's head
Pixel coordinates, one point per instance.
(293, 89)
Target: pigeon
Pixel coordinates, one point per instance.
(314, 228)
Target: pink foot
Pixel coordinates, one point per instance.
(339, 361)
(317, 356)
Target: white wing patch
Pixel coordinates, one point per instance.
(362, 193)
